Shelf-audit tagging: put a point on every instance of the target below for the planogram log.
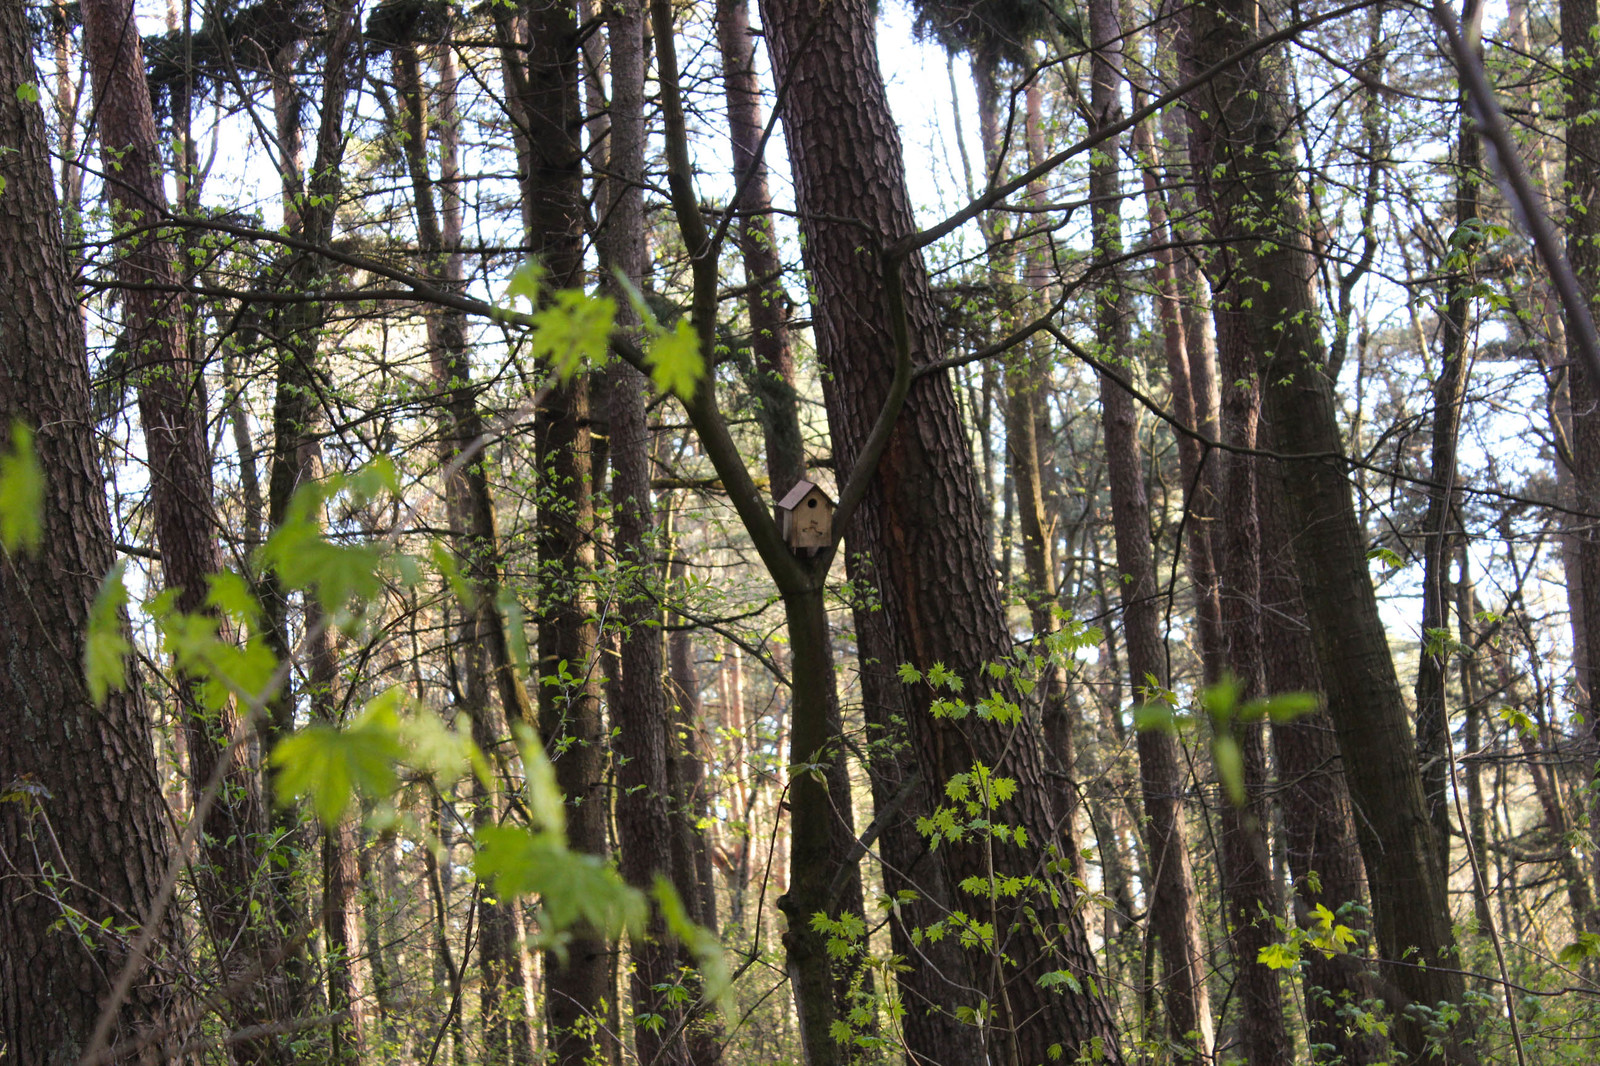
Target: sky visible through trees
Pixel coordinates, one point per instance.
(1186, 655)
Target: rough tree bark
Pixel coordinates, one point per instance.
(766, 301)
(545, 101)
(919, 522)
(82, 835)
(639, 718)
(172, 412)
(1174, 920)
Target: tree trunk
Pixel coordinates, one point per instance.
(639, 716)
(1439, 525)
(1259, 210)
(1579, 25)
(84, 834)
(545, 98)
(919, 524)
(766, 301)
(1319, 831)
(1174, 919)
(172, 413)
(485, 662)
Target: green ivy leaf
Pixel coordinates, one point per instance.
(21, 493)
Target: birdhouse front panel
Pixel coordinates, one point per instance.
(805, 517)
(811, 524)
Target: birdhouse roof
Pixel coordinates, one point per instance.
(801, 490)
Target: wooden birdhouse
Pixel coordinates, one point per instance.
(805, 518)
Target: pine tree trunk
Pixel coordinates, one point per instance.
(1259, 211)
(1580, 23)
(172, 412)
(766, 302)
(919, 524)
(84, 833)
(545, 96)
(1174, 920)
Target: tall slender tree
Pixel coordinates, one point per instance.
(1258, 211)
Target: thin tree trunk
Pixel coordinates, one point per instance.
(766, 301)
(639, 715)
(172, 411)
(1579, 25)
(1439, 525)
(545, 98)
(1174, 919)
(1319, 832)
(1258, 209)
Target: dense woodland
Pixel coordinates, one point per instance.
(1175, 644)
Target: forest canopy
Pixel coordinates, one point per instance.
(691, 532)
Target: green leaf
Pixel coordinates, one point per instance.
(1287, 706)
(21, 493)
(28, 93)
(1390, 558)
(1278, 956)
(1156, 716)
(573, 887)
(1225, 754)
(1587, 946)
(445, 560)
(105, 651)
(526, 281)
(231, 594)
(705, 945)
(1059, 978)
(675, 362)
(331, 765)
(547, 807)
(573, 330)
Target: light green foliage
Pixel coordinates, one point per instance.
(573, 331)
(1325, 933)
(21, 493)
(526, 282)
(27, 93)
(445, 561)
(1587, 946)
(304, 559)
(330, 765)
(675, 362)
(703, 944)
(573, 887)
(1219, 705)
(226, 670)
(105, 651)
